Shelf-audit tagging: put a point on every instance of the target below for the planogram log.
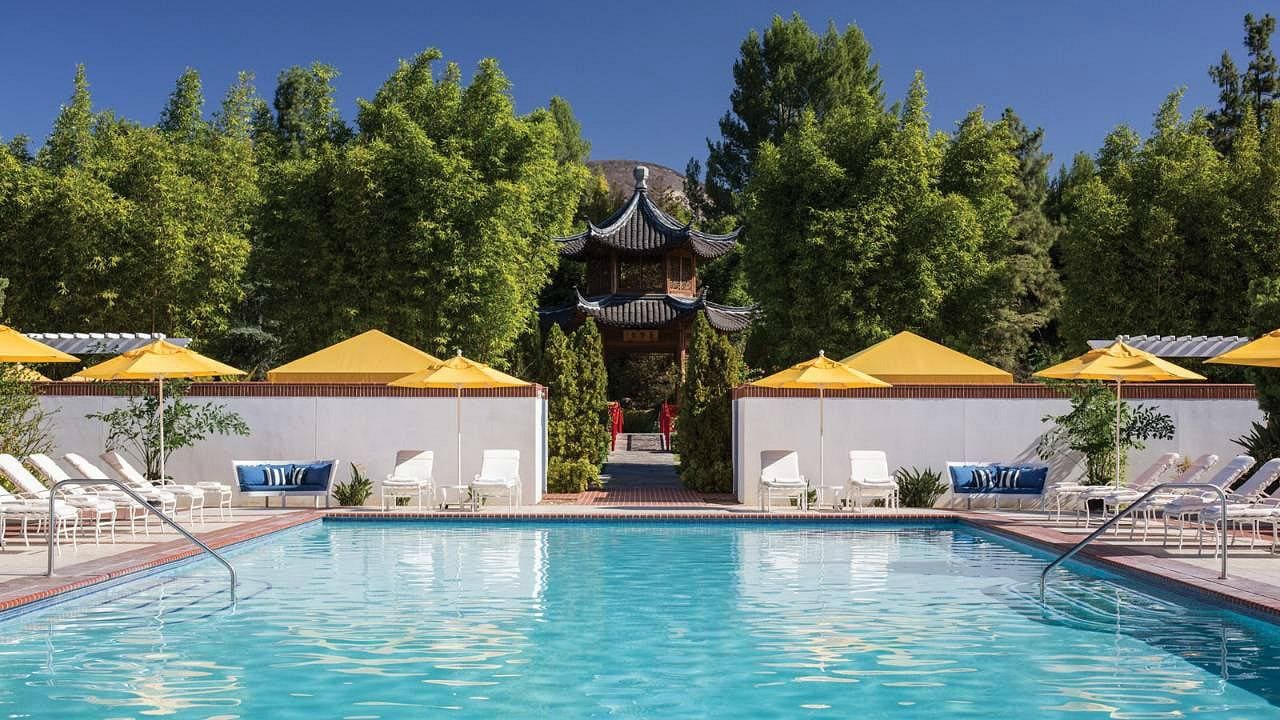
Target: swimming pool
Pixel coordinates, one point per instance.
(634, 620)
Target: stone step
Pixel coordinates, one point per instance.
(640, 441)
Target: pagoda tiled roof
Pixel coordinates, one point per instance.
(641, 227)
(654, 310)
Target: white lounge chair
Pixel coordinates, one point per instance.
(1124, 496)
(499, 475)
(137, 481)
(99, 510)
(870, 479)
(125, 505)
(780, 473)
(1112, 497)
(1186, 506)
(66, 519)
(411, 477)
(1248, 505)
(164, 500)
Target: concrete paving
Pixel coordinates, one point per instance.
(628, 469)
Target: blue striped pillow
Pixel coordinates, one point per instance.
(983, 477)
(277, 475)
(1007, 478)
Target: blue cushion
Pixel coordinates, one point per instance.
(998, 479)
(250, 476)
(1030, 478)
(317, 475)
(963, 480)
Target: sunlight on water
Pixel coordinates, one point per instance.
(634, 621)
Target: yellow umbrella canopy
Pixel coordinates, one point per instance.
(909, 358)
(1118, 363)
(1259, 352)
(370, 357)
(16, 347)
(458, 373)
(821, 372)
(157, 361)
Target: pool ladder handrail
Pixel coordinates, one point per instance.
(53, 494)
(1222, 500)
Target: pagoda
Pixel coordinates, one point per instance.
(642, 279)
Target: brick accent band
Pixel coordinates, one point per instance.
(1018, 391)
(270, 390)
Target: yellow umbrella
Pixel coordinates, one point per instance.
(157, 361)
(821, 372)
(458, 373)
(909, 358)
(16, 347)
(1259, 352)
(370, 357)
(1118, 362)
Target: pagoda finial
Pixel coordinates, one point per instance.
(641, 174)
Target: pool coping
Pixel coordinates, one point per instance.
(1241, 594)
(1252, 597)
(106, 571)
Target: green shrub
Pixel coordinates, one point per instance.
(133, 427)
(919, 488)
(639, 420)
(704, 441)
(1263, 440)
(571, 476)
(355, 491)
(25, 426)
(1089, 429)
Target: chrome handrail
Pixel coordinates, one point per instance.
(53, 494)
(1222, 499)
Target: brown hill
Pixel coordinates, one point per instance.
(618, 173)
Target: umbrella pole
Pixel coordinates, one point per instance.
(822, 442)
(1117, 433)
(160, 417)
(457, 420)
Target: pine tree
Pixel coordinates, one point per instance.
(704, 429)
(1255, 89)
(559, 375)
(590, 424)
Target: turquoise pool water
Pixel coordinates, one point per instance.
(582, 620)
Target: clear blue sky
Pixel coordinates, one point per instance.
(648, 80)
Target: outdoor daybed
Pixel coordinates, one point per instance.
(996, 480)
(285, 478)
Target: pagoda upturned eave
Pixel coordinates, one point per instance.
(648, 311)
(642, 228)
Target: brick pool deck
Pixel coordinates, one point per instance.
(1254, 585)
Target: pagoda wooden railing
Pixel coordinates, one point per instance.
(615, 424)
(667, 423)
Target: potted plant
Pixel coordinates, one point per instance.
(354, 492)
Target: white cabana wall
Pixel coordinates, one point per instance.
(927, 432)
(365, 430)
